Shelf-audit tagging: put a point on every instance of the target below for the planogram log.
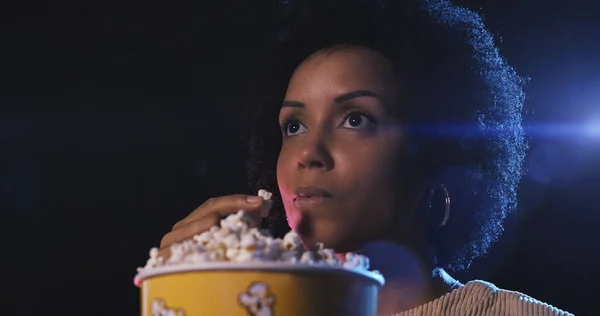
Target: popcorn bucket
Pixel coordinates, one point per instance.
(258, 289)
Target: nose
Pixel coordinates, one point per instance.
(315, 154)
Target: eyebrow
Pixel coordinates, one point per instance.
(339, 99)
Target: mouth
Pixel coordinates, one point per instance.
(309, 196)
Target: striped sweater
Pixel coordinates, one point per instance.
(479, 298)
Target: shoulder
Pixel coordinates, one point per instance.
(505, 302)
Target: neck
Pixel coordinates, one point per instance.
(411, 279)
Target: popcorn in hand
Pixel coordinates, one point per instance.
(266, 195)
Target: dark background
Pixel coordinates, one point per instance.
(117, 118)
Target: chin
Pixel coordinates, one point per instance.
(328, 232)
(337, 242)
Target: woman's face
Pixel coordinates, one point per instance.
(339, 169)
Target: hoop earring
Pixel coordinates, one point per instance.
(446, 200)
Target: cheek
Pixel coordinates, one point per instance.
(371, 176)
(284, 182)
(285, 174)
(371, 168)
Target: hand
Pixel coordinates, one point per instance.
(208, 215)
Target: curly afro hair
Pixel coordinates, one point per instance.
(465, 108)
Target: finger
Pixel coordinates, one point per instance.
(190, 230)
(164, 253)
(223, 206)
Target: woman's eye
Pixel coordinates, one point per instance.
(358, 121)
(292, 128)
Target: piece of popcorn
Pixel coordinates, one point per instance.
(223, 232)
(203, 238)
(265, 194)
(232, 254)
(231, 244)
(356, 261)
(250, 248)
(212, 231)
(272, 249)
(249, 242)
(179, 250)
(154, 261)
(217, 254)
(231, 241)
(247, 256)
(256, 233)
(268, 203)
(176, 256)
(292, 241)
(328, 256)
(244, 255)
(290, 256)
(308, 257)
(194, 257)
(236, 222)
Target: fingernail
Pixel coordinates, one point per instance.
(253, 199)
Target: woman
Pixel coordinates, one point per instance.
(391, 106)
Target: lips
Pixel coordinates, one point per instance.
(311, 191)
(310, 196)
